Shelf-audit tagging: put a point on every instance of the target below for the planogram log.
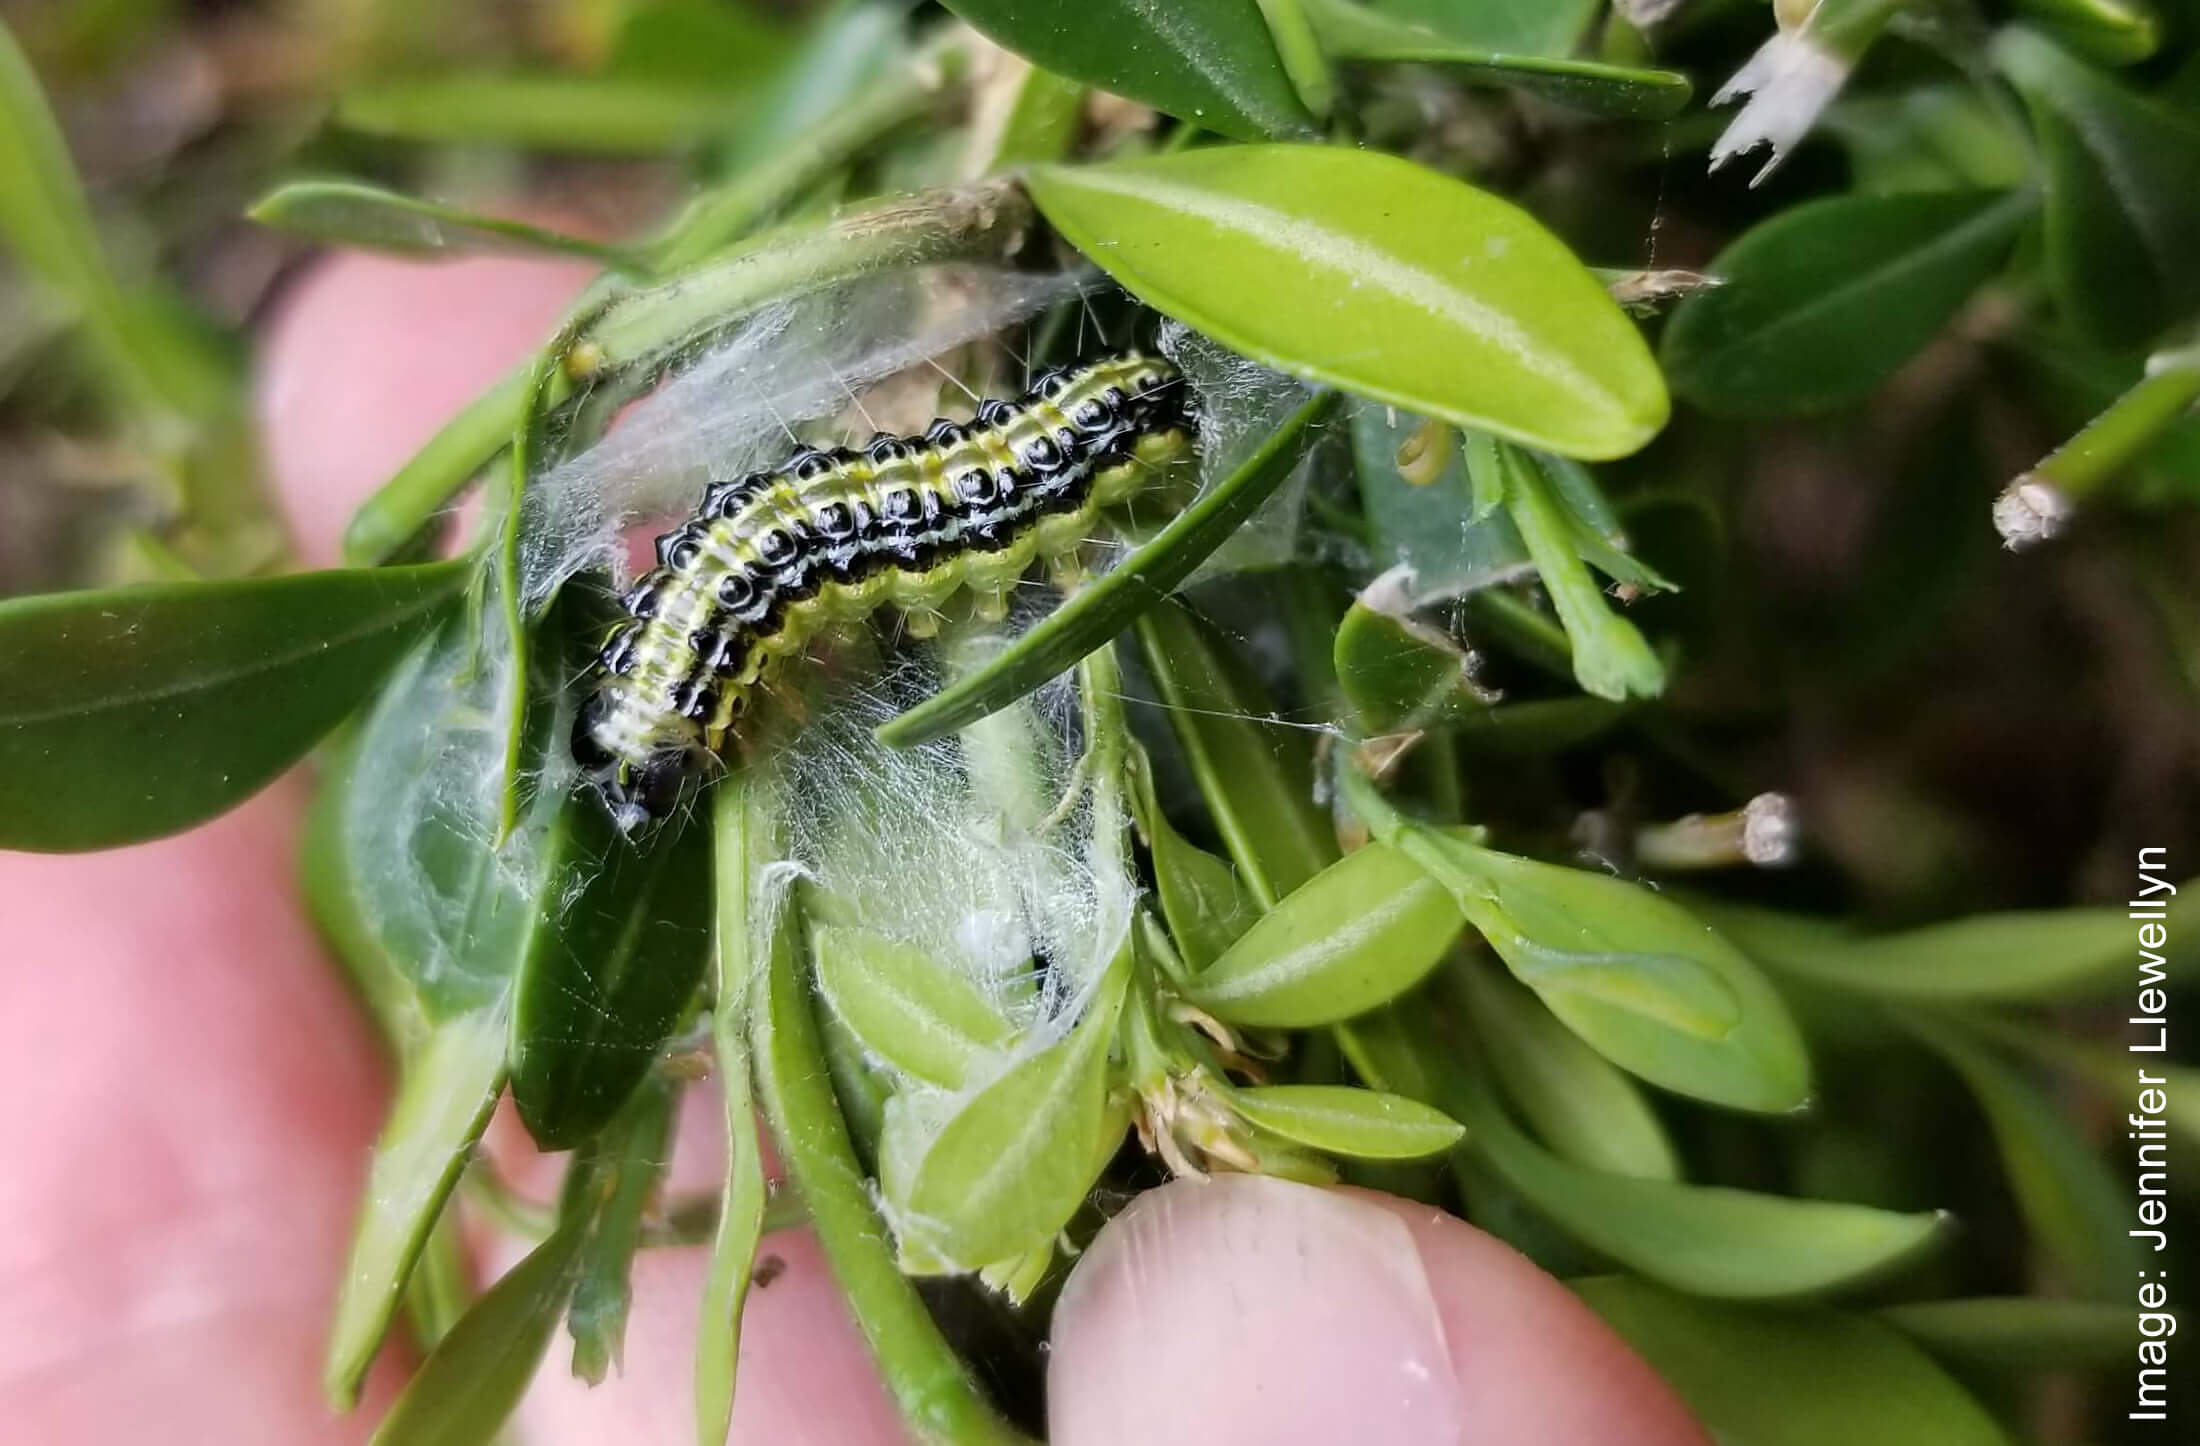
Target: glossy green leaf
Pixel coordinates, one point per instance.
(2021, 1335)
(1112, 602)
(2030, 957)
(1827, 299)
(1792, 1376)
(1301, 54)
(1356, 935)
(1399, 673)
(1341, 1120)
(469, 1384)
(1583, 1108)
(1611, 660)
(632, 1155)
(1007, 1171)
(905, 1006)
(1407, 286)
(743, 845)
(165, 705)
(600, 990)
(1206, 910)
(447, 1088)
(587, 114)
(354, 213)
(2115, 32)
(2123, 191)
(1211, 65)
(1519, 27)
(1643, 982)
(1257, 777)
(2075, 1208)
(1362, 32)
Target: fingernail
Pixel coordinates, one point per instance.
(1243, 1308)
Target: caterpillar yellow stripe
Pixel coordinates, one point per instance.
(832, 536)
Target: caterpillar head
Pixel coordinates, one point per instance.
(638, 789)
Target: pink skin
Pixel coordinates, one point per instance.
(193, 1095)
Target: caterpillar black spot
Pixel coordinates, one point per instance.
(832, 536)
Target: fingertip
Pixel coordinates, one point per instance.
(1245, 1308)
(368, 356)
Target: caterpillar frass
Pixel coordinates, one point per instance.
(831, 536)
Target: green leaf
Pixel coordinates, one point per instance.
(632, 1155)
(1356, 935)
(1611, 659)
(1210, 65)
(165, 705)
(1010, 1167)
(1584, 1109)
(1827, 299)
(1520, 27)
(353, 213)
(584, 114)
(1033, 123)
(1406, 286)
(1343, 1120)
(1205, 908)
(2123, 191)
(1112, 602)
(1451, 545)
(446, 1091)
(469, 1384)
(906, 1007)
(1793, 1376)
(1644, 983)
(2115, 32)
(1257, 777)
(1361, 32)
(2041, 956)
(1704, 1239)
(2074, 1207)
(2021, 1335)
(606, 980)
(743, 845)
(1301, 54)
(1399, 673)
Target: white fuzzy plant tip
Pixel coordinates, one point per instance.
(1789, 81)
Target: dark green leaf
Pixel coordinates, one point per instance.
(1793, 1376)
(2123, 192)
(605, 982)
(1211, 65)
(1824, 301)
(1406, 286)
(1111, 603)
(353, 213)
(1518, 27)
(2024, 1336)
(138, 712)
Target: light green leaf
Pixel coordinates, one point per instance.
(2115, 32)
(1211, 65)
(1356, 935)
(1200, 897)
(448, 1086)
(2021, 1335)
(547, 110)
(1791, 1376)
(469, 1384)
(353, 213)
(905, 1006)
(1012, 1165)
(1584, 1109)
(632, 1156)
(1648, 986)
(1518, 27)
(1827, 299)
(1408, 286)
(2031, 957)
(168, 704)
(1342, 1120)
(1611, 659)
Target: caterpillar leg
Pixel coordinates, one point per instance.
(922, 621)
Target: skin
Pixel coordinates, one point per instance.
(193, 1094)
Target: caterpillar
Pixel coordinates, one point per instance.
(833, 535)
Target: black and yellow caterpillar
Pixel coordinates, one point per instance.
(831, 536)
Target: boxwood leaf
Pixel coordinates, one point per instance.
(1343, 1120)
(602, 114)
(449, 1085)
(469, 1384)
(1541, 27)
(906, 1007)
(354, 213)
(133, 713)
(1644, 983)
(2022, 1335)
(1807, 1376)
(2123, 191)
(1201, 899)
(1356, 935)
(1211, 65)
(1582, 1107)
(2035, 956)
(1011, 1166)
(1406, 286)
(632, 1155)
(1824, 301)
